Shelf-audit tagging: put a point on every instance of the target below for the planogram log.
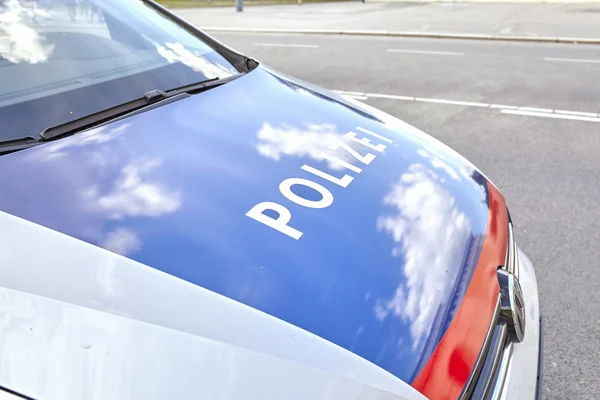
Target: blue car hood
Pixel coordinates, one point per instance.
(384, 257)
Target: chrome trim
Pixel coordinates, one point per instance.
(502, 372)
(510, 262)
(491, 365)
(507, 327)
(512, 309)
(475, 373)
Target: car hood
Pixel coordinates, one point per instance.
(384, 257)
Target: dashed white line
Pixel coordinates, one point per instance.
(585, 114)
(535, 109)
(389, 96)
(354, 93)
(438, 53)
(573, 60)
(503, 106)
(549, 115)
(505, 109)
(454, 102)
(357, 97)
(303, 46)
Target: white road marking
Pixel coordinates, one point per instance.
(573, 60)
(505, 109)
(303, 46)
(535, 109)
(503, 106)
(357, 97)
(389, 96)
(549, 115)
(439, 53)
(458, 103)
(585, 114)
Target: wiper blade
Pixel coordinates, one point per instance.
(12, 145)
(95, 119)
(198, 87)
(155, 98)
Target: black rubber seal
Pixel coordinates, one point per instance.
(3, 389)
(538, 390)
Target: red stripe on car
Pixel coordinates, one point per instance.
(447, 371)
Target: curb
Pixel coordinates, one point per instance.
(430, 35)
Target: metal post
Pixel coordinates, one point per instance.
(239, 5)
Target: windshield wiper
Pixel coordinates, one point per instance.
(12, 145)
(152, 99)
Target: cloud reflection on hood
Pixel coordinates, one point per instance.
(437, 162)
(431, 234)
(122, 241)
(312, 141)
(100, 135)
(132, 195)
(132, 187)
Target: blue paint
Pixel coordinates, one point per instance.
(380, 272)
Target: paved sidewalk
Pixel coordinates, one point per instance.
(510, 19)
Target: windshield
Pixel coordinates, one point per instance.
(64, 59)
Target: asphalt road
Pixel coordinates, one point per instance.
(546, 161)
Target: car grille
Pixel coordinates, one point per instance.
(488, 375)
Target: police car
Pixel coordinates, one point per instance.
(179, 221)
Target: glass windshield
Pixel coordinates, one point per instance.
(64, 59)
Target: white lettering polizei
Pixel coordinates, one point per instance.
(343, 181)
(374, 134)
(280, 224)
(366, 159)
(365, 142)
(285, 188)
(341, 163)
(284, 215)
